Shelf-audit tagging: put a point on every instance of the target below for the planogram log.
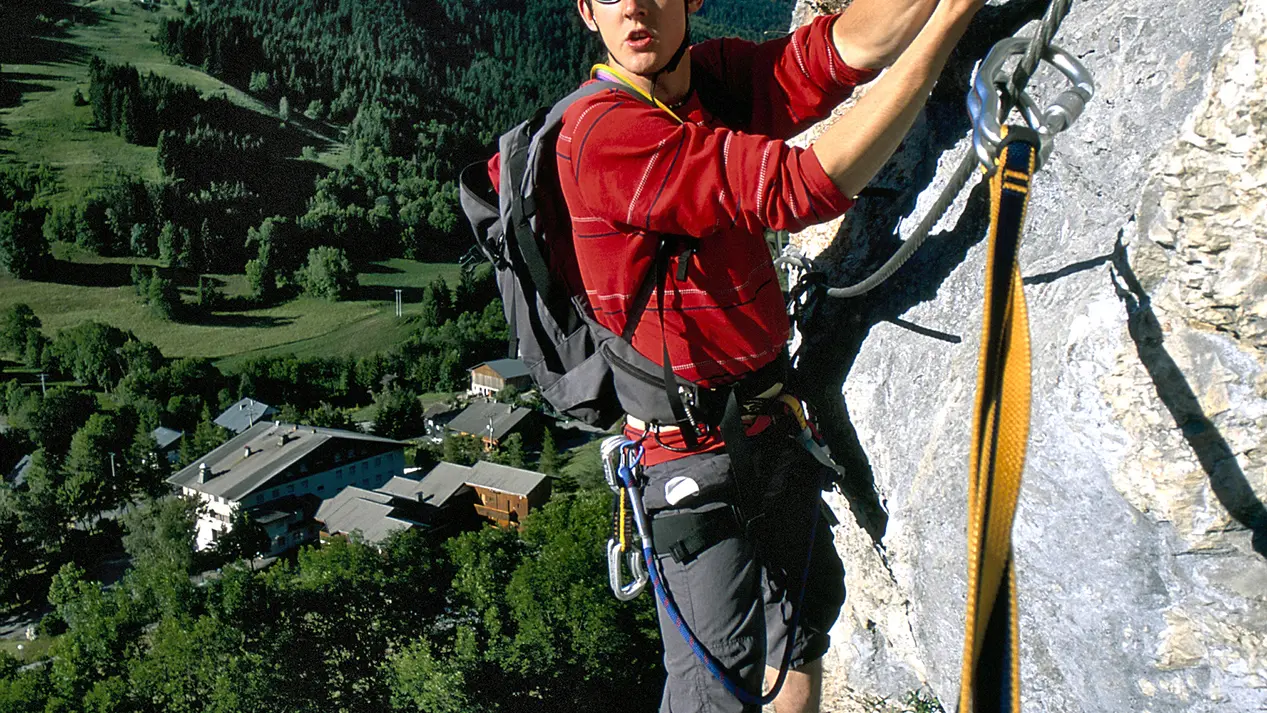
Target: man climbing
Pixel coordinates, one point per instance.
(670, 195)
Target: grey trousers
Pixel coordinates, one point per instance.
(738, 595)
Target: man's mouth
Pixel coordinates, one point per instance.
(639, 39)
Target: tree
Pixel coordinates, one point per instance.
(150, 467)
(159, 538)
(162, 297)
(16, 323)
(548, 463)
(40, 511)
(328, 274)
(206, 438)
(23, 248)
(329, 416)
(461, 449)
(398, 414)
(511, 452)
(90, 352)
(97, 476)
(56, 418)
(283, 109)
(245, 540)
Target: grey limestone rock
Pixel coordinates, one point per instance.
(1141, 539)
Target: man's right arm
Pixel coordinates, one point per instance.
(857, 145)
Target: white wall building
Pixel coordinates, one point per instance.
(280, 473)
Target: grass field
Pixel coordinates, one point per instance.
(30, 651)
(306, 327)
(45, 127)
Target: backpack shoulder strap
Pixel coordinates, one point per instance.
(521, 167)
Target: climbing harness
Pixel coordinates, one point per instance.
(622, 466)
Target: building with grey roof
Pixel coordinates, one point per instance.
(369, 514)
(17, 476)
(271, 461)
(449, 497)
(492, 376)
(492, 422)
(168, 443)
(244, 414)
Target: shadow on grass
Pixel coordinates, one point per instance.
(89, 275)
(11, 94)
(370, 268)
(220, 319)
(1217, 459)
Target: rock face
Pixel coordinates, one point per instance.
(1141, 540)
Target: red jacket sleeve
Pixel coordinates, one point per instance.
(633, 165)
(791, 82)
(494, 171)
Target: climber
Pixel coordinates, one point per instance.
(671, 182)
(711, 163)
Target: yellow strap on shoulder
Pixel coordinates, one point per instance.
(618, 76)
(991, 661)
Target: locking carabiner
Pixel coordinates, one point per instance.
(985, 101)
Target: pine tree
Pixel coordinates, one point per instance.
(549, 461)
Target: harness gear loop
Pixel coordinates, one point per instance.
(991, 662)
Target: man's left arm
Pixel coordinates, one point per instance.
(873, 33)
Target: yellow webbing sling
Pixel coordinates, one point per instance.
(991, 662)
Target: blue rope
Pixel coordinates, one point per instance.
(701, 653)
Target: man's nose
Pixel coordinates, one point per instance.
(633, 8)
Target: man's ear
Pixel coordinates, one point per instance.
(587, 14)
(693, 6)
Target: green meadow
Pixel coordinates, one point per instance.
(45, 127)
(305, 326)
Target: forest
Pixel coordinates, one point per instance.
(342, 149)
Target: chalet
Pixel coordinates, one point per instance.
(492, 422)
(280, 473)
(244, 414)
(504, 495)
(492, 376)
(449, 498)
(167, 441)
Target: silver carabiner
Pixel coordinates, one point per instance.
(615, 456)
(985, 102)
(612, 454)
(625, 591)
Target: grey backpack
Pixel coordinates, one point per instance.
(582, 369)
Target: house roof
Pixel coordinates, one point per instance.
(235, 475)
(475, 419)
(440, 410)
(17, 476)
(166, 436)
(505, 368)
(243, 414)
(369, 512)
(441, 483)
(504, 478)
